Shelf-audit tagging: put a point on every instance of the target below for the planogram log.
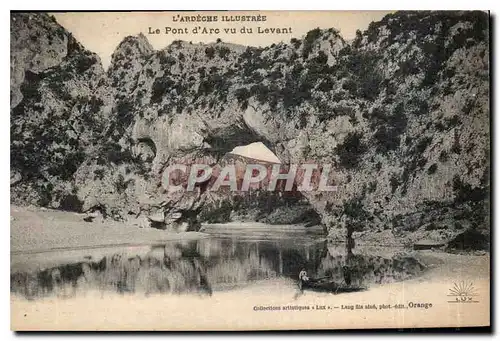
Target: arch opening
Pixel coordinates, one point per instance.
(258, 204)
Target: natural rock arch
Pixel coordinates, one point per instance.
(402, 112)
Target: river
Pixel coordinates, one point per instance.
(223, 259)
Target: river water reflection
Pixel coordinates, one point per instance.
(211, 264)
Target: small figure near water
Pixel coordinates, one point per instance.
(304, 280)
(303, 275)
(327, 283)
(347, 275)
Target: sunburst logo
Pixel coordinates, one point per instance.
(463, 292)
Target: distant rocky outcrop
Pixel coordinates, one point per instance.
(402, 112)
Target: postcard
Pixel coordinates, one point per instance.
(244, 171)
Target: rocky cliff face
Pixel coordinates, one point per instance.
(57, 110)
(402, 112)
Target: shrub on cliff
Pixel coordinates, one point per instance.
(218, 212)
(224, 52)
(360, 68)
(465, 192)
(388, 128)
(210, 52)
(159, 88)
(351, 150)
(309, 40)
(125, 114)
(355, 214)
(295, 42)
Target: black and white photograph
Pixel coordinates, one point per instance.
(249, 170)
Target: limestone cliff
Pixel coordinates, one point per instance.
(402, 112)
(57, 110)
